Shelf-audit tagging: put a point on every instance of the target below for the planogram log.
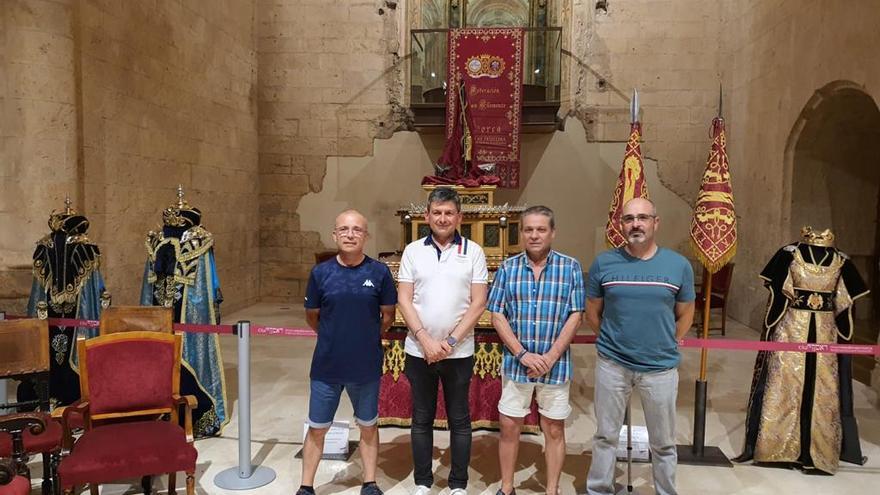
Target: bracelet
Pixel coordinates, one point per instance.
(416, 333)
(521, 353)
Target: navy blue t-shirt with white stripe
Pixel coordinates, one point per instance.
(349, 347)
(639, 296)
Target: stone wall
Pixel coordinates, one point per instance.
(38, 133)
(776, 56)
(329, 87)
(116, 103)
(169, 97)
(330, 78)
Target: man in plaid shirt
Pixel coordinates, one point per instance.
(536, 302)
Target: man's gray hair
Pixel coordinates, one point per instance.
(541, 210)
(442, 195)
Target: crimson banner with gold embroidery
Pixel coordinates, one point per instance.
(631, 184)
(713, 228)
(488, 63)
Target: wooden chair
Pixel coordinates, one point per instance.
(136, 318)
(24, 354)
(133, 377)
(14, 473)
(720, 289)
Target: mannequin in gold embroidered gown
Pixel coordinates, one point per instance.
(800, 407)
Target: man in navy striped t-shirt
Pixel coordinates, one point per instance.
(536, 301)
(640, 300)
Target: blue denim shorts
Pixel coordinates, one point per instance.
(324, 400)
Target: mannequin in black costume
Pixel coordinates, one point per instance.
(67, 284)
(818, 313)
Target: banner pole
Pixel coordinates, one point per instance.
(698, 453)
(246, 476)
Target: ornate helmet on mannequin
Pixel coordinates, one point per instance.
(816, 238)
(68, 221)
(181, 214)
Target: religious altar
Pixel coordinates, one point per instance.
(496, 229)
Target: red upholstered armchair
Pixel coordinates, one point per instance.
(127, 381)
(14, 474)
(12, 483)
(24, 354)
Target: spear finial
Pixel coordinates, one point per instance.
(180, 195)
(720, 100)
(634, 106)
(67, 202)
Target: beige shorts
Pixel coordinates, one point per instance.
(516, 399)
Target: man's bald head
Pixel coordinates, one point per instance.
(639, 205)
(351, 217)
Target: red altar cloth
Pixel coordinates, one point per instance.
(395, 406)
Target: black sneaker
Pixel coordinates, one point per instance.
(303, 491)
(371, 489)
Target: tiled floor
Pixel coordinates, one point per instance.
(279, 395)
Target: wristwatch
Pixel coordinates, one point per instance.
(451, 341)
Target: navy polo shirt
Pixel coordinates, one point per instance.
(349, 347)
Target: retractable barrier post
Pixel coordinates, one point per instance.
(246, 476)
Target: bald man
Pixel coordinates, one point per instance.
(350, 301)
(640, 302)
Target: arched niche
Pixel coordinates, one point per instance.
(833, 181)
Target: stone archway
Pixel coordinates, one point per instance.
(833, 167)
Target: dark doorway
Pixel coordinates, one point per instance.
(835, 184)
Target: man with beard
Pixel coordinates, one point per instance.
(640, 302)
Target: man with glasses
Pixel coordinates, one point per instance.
(536, 302)
(640, 301)
(442, 293)
(350, 301)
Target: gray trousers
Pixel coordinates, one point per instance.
(658, 391)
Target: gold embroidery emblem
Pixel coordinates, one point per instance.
(814, 302)
(485, 66)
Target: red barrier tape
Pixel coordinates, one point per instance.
(734, 345)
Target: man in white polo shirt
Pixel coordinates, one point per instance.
(442, 293)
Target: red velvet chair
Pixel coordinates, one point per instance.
(12, 483)
(131, 377)
(24, 354)
(720, 290)
(14, 473)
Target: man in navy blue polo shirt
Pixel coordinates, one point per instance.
(350, 301)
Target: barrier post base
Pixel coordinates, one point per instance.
(699, 454)
(711, 456)
(230, 479)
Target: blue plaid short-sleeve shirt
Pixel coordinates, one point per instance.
(537, 310)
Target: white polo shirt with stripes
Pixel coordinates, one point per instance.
(442, 281)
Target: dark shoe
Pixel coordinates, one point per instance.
(371, 489)
(303, 491)
(512, 492)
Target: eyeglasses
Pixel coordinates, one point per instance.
(352, 231)
(627, 219)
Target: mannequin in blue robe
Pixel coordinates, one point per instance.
(180, 273)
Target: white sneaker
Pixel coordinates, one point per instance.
(421, 490)
(458, 491)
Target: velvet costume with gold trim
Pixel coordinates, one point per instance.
(800, 407)
(67, 284)
(180, 273)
